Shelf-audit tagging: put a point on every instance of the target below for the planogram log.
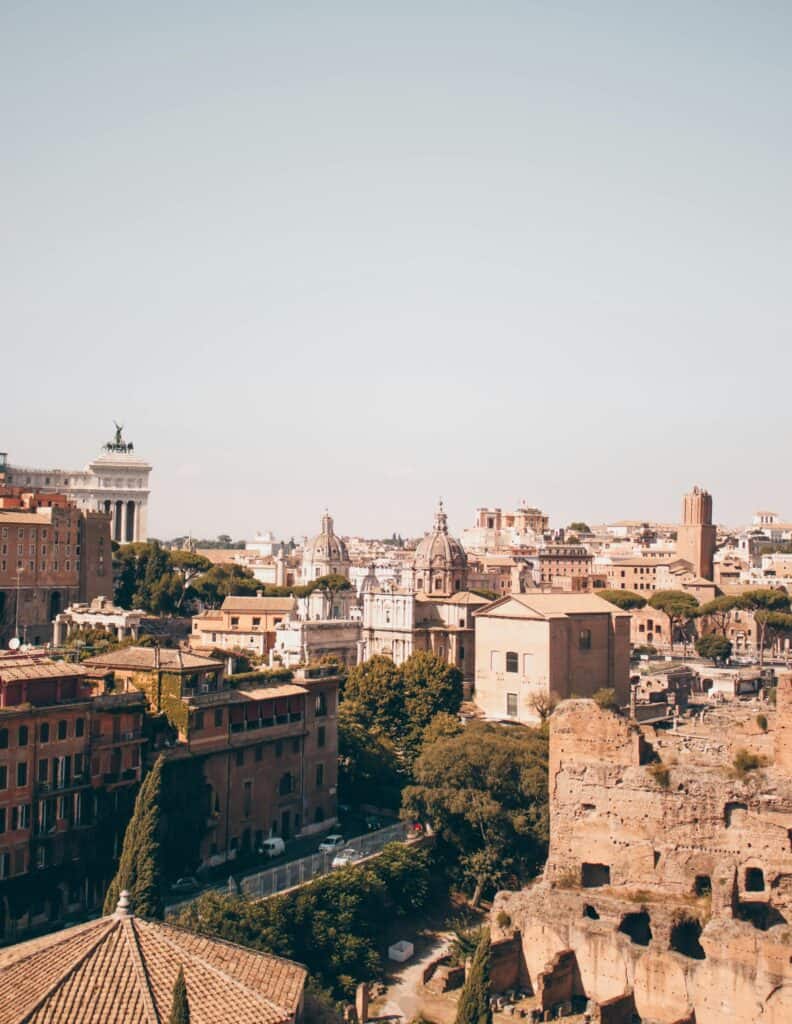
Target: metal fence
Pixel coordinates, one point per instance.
(297, 872)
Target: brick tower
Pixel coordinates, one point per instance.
(696, 535)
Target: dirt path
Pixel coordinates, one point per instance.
(405, 994)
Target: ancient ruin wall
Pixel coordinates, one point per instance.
(670, 872)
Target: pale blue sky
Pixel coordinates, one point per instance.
(360, 255)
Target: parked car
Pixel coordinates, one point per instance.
(272, 847)
(186, 885)
(373, 823)
(346, 857)
(331, 844)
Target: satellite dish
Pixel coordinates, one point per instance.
(14, 643)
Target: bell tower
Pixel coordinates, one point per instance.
(696, 535)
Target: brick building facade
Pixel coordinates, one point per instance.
(69, 768)
(52, 554)
(267, 742)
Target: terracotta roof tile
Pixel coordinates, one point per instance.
(120, 969)
(145, 658)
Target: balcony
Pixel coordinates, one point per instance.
(266, 723)
(64, 785)
(108, 740)
(116, 778)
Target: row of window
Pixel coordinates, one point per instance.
(59, 777)
(42, 551)
(31, 566)
(512, 658)
(32, 534)
(44, 732)
(17, 820)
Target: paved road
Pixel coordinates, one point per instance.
(296, 850)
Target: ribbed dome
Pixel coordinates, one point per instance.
(326, 547)
(438, 551)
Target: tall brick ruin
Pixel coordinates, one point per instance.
(668, 889)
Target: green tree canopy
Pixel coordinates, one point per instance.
(369, 771)
(579, 527)
(761, 602)
(375, 688)
(474, 1002)
(187, 566)
(678, 605)
(714, 646)
(140, 866)
(774, 625)
(220, 581)
(485, 791)
(431, 686)
(719, 611)
(399, 702)
(333, 925)
(624, 599)
(180, 1008)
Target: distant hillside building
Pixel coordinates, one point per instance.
(115, 482)
(496, 530)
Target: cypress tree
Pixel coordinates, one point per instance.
(474, 1005)
(180, 1008)
(140, 867)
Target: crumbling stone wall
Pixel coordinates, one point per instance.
(669, 874)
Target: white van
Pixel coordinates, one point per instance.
(272, 847)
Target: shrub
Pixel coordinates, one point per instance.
(503, 920)
(661, 774)
(761, 721)
(606, 698)
(745, 762)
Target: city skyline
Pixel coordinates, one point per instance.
(361, 258)
(420, 514)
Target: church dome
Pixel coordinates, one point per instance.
(325, 546)
(440, 562)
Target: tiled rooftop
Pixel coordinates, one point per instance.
(121, 969)
(146, 658)
(14, 667)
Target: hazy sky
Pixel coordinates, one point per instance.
(360, 255)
